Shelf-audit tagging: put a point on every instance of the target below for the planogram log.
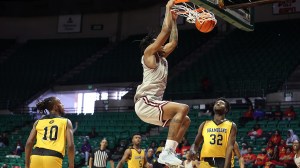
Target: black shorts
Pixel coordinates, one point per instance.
(215, 162)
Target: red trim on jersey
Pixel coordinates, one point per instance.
(150, 103)
(159, 106)
(161, 112)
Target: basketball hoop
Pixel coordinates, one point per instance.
(193, 13)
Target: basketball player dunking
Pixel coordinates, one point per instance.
(218, 137)
(149, 105)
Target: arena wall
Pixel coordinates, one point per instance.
(126, 23)
(265, 13)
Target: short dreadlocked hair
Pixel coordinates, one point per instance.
(47, 104)
(146, 41)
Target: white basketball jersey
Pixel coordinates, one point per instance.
(297, 160)
(154, 80)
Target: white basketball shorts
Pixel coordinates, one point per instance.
(151, 111)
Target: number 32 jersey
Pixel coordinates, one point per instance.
(215, 138)
(51, 133)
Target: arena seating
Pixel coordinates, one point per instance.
(117, 126)
(9, 124)
(114, 126)
(119, 65)
(249, 64)
(122, 64)
(38, 63)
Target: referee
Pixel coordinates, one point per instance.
(100, 156)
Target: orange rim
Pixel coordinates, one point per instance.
(199, 10)
(181, 1)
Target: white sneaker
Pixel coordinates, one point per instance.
(175, 166)
(168, 157)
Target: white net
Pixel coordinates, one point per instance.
(193, 12)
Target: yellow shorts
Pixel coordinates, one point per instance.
(204, 164)
(37, 161)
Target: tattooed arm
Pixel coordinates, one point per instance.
(162, 37)
(173, 40)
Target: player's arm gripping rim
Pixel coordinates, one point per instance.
(125, 157)
(29, 145)
(162, 37)
(230, 145)
(198, 140)
(70, 143)
(173, 40)
(238, 154)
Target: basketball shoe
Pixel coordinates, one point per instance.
(168, 157)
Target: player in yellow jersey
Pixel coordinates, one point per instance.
(135, 156)
(218, 137)
(50, 133)
(236, 152)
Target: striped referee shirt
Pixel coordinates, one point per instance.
(100, 158)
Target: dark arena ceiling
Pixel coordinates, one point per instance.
(16, 8)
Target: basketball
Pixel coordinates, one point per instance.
(205, 26)
(205, 22)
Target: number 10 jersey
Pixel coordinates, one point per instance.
(51, 133)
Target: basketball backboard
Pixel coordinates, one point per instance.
(240, 18)
(239, 4)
